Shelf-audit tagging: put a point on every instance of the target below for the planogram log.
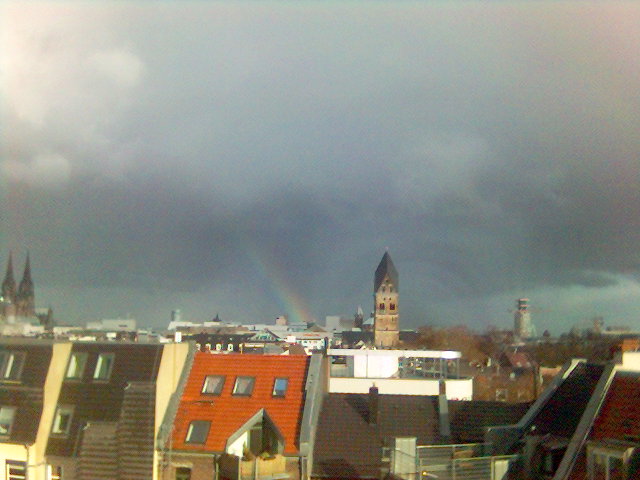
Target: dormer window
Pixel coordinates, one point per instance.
(62, 420)
(213, 384)
(7, 415)
(104, 367)
(244, 386)
(11, 364)
(77, 362)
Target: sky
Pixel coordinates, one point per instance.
(253, 159)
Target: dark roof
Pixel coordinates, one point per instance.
(102, 401)
(386, 268)
(349, 446)
(26, 393)
(561, 414)
(469, 419)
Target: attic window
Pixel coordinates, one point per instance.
(280, 387)
(103, 366)
(11, 364)
(77, 362)
(198, 431)
(62, 420)
(244, 386)
(7, 415)
(213, 384)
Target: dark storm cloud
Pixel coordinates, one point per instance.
(198, 154)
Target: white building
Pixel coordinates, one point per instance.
(405, 372)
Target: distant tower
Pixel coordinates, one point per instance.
(8, 293)
(25, 298)
(385, 294)
(523, 328)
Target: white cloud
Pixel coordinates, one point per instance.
(43, 170)
(120, 66)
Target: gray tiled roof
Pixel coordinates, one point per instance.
(348, 446)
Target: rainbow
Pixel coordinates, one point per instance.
(290, 302)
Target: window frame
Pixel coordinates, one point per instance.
(280, 393)
(183, 473)
(54, 472)
(251, 385)
(98, 375)
(55, 425)
(83, 356)
(11, 365)
(216, 391)
(201, 436)
(14, 464)
(11, 409)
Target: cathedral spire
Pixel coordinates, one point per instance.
(26, 296)
(26, 276)
(9, 283)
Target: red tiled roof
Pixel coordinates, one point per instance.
(620, 414)
(227, 413)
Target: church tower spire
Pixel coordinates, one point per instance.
(9, 284)
(26, 296)
(385, 294)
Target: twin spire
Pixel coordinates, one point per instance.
(20, 301)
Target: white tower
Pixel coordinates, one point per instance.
(523, 328)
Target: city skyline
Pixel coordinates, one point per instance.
(256, 159)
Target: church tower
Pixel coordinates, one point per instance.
(385, 294)
(8, 294)
(25, 298)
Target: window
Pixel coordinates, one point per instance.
(183, 473)
(610, 460)
(198, 431)
(230, 347)
(7, 415)
(213, 384)
(76, 365)
(501, 394)
(15, 470)
(11, 364)
(392, 306)
(62, 420)
(103, 367)
(54, 472)
(243, 386)
(280, 387)
(218, 346)
(381, 306)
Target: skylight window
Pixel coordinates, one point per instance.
(103, 366)
(77, 362)
(213, 384)
(11, 364)
(244, 386)
(198, 431)
(7, 415)
(280, 387)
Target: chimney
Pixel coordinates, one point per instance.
(443, 413)
(373, 405)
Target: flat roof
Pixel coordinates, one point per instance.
(345, 352)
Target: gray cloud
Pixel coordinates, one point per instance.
(237, 157)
